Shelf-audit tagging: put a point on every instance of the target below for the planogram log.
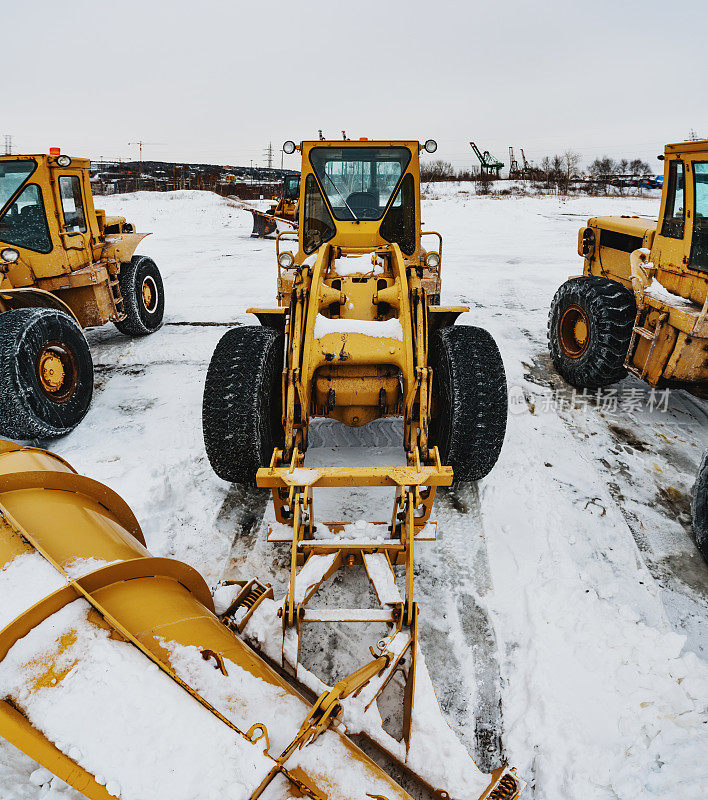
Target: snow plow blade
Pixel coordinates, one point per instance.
(117, 676)
(263, 224)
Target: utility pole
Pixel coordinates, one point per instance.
(8, 144)
(269, 155)
(140, 146)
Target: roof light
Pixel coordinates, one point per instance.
(432, 260)
(431, 146)
(363, 138)
(289, 147)
(55, 151)
(63, 161)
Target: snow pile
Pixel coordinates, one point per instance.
(24, 581)
(379, 329)
(117, 715)
(625, 713)
(361, 530)
(358, 265)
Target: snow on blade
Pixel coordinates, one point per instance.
(24, 581)
(117, 715)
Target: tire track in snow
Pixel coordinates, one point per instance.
(459, 561)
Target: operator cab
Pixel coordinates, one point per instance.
(291, 187)
(356, 184)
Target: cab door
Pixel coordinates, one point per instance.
(672, 240)
(698, 258)
(73, 219)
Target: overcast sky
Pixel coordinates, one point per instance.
(211, 82)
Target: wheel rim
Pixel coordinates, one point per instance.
(149, 294)
(57, 372)
(574, 331)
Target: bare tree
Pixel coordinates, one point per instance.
(437, 170)
(601, 171)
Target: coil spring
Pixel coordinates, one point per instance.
(253, 595)
(505, 790)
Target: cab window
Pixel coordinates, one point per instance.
(699, 246)
(12, 175)
(318, 226)
(72, 204)
(674, 213)
(24, 222)
(399, 223)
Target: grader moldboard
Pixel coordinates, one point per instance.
(641, 304)
(358, 335)
(64, 266)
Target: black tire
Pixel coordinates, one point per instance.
(46, 374)
(606, 311)
(144, 312)
(699, 507)
(241, 413)
(469, 388)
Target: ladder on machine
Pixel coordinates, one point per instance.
(652, 336)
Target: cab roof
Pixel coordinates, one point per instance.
(75, 162)
(700, 146)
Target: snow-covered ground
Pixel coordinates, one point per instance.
(563, 606)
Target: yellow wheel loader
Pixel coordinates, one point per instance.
(285, 210)
(64, 266)
(358, 335)
(641, 304)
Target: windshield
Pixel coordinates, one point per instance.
(359, 181)
(12, 175)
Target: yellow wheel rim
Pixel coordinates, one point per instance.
(150, 294)
(574, 331)
(57, 371)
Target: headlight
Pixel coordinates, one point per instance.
(431, 146)
(9, 255)
(286, 259)
(432, 260)
(63, 161)
(289, 147)
(588, 243)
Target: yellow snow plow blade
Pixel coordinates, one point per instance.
(82, 598)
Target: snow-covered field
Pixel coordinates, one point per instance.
(564, 604)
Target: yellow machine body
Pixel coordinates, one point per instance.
(670, 345)
(68, 253)
(159, 607)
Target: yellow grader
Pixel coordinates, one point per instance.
(64, 266)
(285, 210)
(641, 304)
(358, 335)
